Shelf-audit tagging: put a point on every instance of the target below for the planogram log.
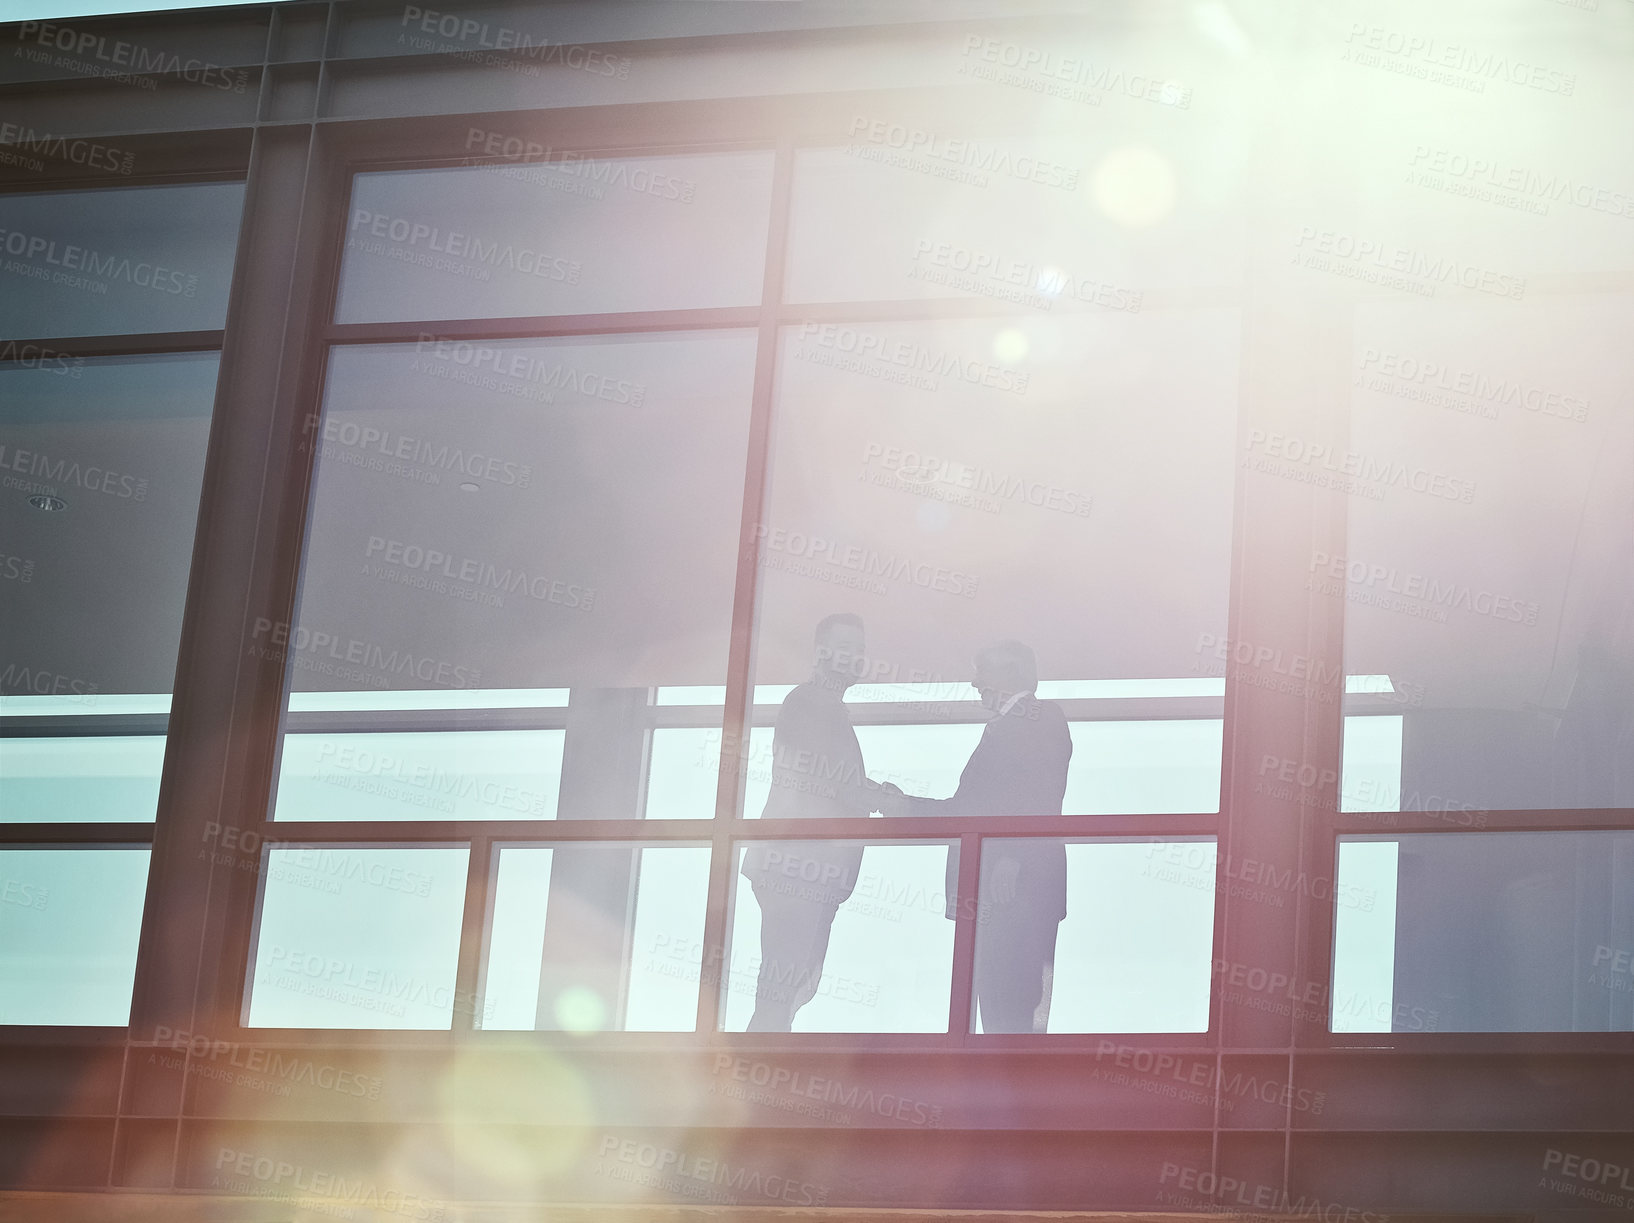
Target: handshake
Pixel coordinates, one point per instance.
(891, 801)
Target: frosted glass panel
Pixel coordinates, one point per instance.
(70, 921)
(425, 775)
(359, 938)
(95, 778)
(596, 937)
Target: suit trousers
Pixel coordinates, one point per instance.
(1015, 954)
(795, 923)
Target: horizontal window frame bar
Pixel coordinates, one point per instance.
(133, 344)
(907, 828)
(703, 318)
(82, 726)
(540, 327)
(77, 836)
(1545, 819)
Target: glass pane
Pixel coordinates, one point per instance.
(839, 936)
(1044, 961)
(118, 260)
(102, 779)
(563, 521)
(572, 236)
(70, 920)
(102, 462)
(919, 473)
(1486, 932)
(1145, 767)
(427, 775)
(1071, 217)
(359, 938)
(1488, 569)
(596, 937)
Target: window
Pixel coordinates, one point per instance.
(102, 450)
(568, 546)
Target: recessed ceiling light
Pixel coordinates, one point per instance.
(48, 503)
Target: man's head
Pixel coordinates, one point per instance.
(839, 649)
(1003, 670)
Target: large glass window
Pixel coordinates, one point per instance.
(571, 235)
(102, 456)
(1487, 568)
(1485, 932)
(569, 577)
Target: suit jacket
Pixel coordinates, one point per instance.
(1018, 768)
(817, 773)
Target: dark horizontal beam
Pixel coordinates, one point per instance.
(111, 345)
(934, 828)
(543, 326)
(76, 836)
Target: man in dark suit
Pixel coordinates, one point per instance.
(817, 773)
(1018, 768)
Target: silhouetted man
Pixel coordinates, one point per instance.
(1018, 768)
(817, 773)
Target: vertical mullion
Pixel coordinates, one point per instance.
(963, 992)
(473, 927)
(739, 705)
